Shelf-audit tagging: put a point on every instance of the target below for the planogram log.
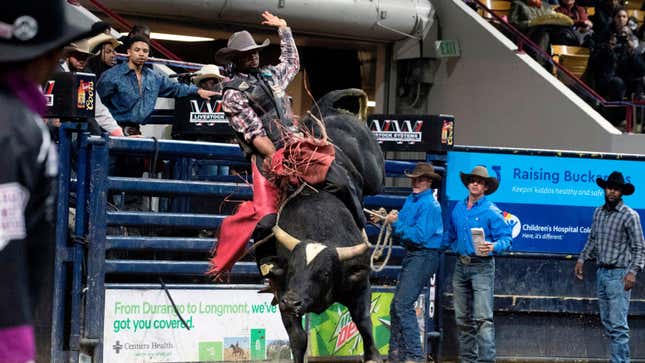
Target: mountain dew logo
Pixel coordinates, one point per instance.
(346, 331)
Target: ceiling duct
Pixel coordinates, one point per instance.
(369, 20)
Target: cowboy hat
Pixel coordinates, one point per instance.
(481, 172)
(238, 42)
(423, 169)
(81, 46)
(616, 179)
(32, 28)
(207, 71)
(98, 40)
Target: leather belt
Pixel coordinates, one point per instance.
(469, 260)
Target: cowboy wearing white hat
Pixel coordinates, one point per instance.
(616, 243)
(476, 231)
(32, 35)
(208, 77)
(76, 56)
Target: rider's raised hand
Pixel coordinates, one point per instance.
(272, 20)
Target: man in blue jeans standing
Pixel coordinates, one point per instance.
(616, 243)
(419, 228)
(474, 276)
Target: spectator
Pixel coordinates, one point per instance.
(130, 90)
(602, 18)
(616, 243)
(137, 30)
(616, 70)
(419, 228)
(76, 56)
(209, 77)
(34, 33)
(102, 27)
(474, 276)
(103, 46)
(582, 26)
(620, 19)
(541, 24)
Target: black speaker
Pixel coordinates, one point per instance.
(71, 96)
(424, 133)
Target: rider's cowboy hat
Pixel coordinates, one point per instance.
(238, 42)
(94, 42)
(423, 169)
(207, 71)
(616, 179)
(31, 28)
(481, 172)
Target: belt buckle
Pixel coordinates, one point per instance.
(465, 260)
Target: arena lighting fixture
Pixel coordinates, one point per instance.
(176, 37)
(371, 103)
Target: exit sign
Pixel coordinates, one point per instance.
(447, 48)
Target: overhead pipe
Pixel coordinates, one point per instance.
(369, 20)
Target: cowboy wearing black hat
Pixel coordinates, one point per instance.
(474, 275)
(32, 36)
(616, 242)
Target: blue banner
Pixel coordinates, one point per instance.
(549, 200)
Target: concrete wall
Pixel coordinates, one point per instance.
(504, 98)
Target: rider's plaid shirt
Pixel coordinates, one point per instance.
(242, 118)
(616, 238)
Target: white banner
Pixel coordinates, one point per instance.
(142, 326)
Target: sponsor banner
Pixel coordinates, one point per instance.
(333, 333)
(549, 200)
(423, 133)
(225, 325)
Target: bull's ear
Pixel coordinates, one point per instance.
(272, 266)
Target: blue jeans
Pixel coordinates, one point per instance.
(613, 301)
(417, 269)
(472, 286)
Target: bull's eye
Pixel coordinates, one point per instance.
(312, 250)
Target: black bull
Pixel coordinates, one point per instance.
(322, 257)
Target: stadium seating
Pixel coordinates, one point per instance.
(573, 58)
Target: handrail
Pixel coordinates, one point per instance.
(524, 40)
(119, 19)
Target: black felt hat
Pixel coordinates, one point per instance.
(30, 28)
(616, 180)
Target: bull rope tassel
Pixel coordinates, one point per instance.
(383, 241)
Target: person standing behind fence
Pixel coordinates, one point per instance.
(616, 243)
(419, 228)
(474, 276)
(130, 90)
(32, 36)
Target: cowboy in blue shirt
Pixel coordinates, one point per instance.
(419, 227)
(130, 90)
(474, 275)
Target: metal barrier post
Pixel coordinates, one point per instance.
(79, 244)
(95, 298)
(64, 254)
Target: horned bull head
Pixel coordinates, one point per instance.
(344, 253)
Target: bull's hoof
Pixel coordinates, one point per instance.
(266, 290)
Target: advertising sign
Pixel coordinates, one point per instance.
(425, 133)
(548, 199)
(333, 333)
(223, 325)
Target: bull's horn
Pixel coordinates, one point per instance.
(345, 253)
(285, 238)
